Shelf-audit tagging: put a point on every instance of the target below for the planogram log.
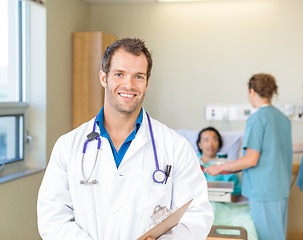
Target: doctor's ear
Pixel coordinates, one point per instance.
(102, 77)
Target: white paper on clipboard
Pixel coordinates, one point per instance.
(168, 223)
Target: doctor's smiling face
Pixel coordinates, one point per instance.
(125, 82)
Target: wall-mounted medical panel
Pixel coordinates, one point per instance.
(228, 112)
(242, 112)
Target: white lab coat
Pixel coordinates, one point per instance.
(119, 206)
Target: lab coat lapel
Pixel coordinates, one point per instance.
(106, 158)
(142, 138)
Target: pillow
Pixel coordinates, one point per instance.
(191, 136)
(232, 142)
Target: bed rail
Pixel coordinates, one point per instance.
(227, 232)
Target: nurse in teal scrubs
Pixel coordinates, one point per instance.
(267, 160)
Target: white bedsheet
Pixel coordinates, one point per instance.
(230, 214)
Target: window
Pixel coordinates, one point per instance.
(22, 79)
(11, 127)
(10, 51)
(11, 135)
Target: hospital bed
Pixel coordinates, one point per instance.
(229, 215)
(232, 142)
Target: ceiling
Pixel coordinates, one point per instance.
(139, 1)
(119, 1)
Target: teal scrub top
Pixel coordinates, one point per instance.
(223, 177)
(268, 131)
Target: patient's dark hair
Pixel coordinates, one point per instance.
(263, 84)
(209, 129)
(132, 45)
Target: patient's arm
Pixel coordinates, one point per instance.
(297, 147)
(250, 159)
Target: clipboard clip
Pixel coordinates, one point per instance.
(165, 220)
(160, 213)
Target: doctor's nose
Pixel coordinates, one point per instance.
(129, 81)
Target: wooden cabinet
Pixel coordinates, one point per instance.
(88, 94)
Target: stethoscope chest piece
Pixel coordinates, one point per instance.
(159, 176)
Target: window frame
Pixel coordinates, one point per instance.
(32, 92)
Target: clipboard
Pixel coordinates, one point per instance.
(168, 223)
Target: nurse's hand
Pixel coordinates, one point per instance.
(213, 170)
(149, 238)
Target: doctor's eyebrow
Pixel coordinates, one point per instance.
(141, 73)
(114, 71)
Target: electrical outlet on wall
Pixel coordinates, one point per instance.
(214, 113)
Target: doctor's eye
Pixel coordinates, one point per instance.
(140, 77)
(119, 75)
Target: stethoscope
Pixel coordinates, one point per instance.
(159, 176)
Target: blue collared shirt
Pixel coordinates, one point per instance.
(118, 156)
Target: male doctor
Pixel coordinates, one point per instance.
(111, 193)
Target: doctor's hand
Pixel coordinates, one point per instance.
(213, 170)
(150, 238)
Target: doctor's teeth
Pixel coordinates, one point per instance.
(126, 95)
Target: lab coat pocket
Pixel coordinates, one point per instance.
(152, 193)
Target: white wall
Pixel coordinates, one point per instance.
(205, 52)
(63, 18)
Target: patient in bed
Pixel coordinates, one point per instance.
(209, 143)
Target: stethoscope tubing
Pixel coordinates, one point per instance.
(153, 142)
(157, 171)
(90, 137)
(159, 176)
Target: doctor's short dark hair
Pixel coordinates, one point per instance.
(263, 84)
(209, 129)
(131, 45)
